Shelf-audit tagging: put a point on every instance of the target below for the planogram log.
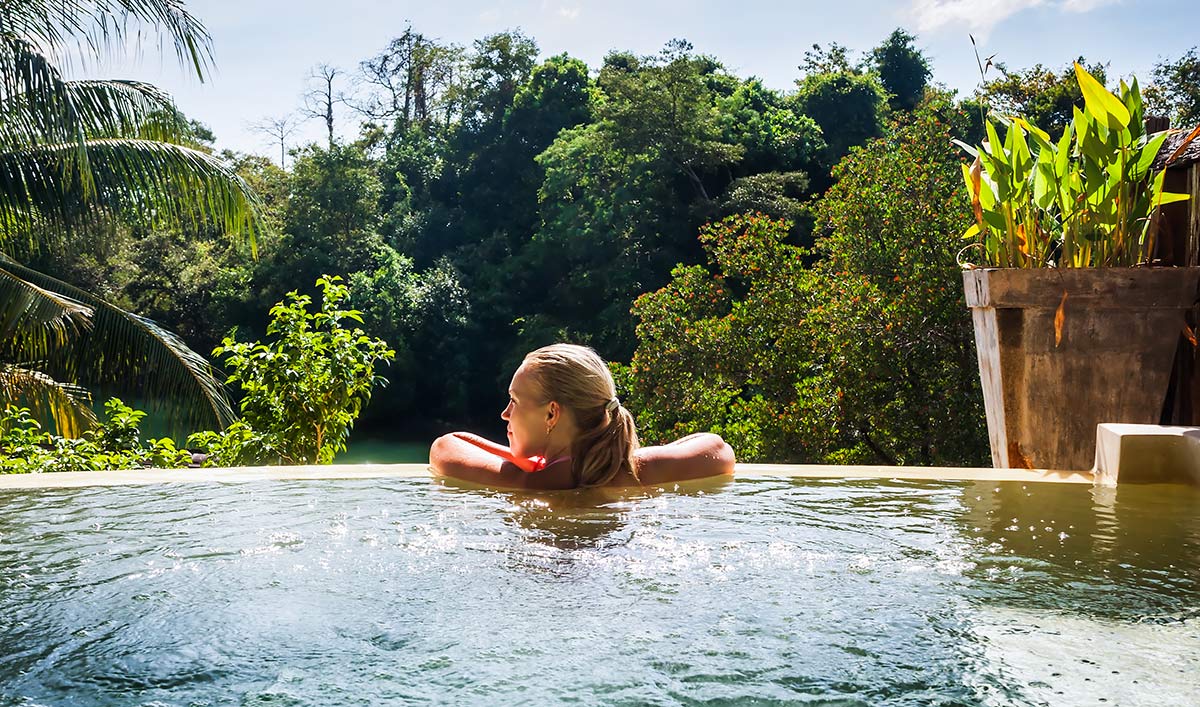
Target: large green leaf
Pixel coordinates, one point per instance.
(43, 319)
(94, 27)
(48, 399)
(1102, 104)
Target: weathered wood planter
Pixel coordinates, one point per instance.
(1119, 334)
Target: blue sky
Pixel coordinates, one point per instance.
(264, 49)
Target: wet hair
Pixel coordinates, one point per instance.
(577, 379)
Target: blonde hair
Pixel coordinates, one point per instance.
(577, 379)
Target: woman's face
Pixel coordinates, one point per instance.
(526, 415)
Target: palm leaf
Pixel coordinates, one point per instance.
(162, 184)
(45, 320)
(94, 26)
(67, 406)
(40, 107)
(126, 352)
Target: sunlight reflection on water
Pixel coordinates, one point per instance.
(405, 591)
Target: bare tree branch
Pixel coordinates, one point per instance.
(279, 130)
(319, 99)
(412, 80)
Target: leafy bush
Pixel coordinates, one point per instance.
(1086, 200)
(718, 348)
(114, 443)
(301, 395)
(303, 390)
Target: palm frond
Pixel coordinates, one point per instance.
(132, 354)
(40, 108)
(93, 27)
(74, 111)
(44, 320)
(161, 184)
(67, 406)
(33, 97)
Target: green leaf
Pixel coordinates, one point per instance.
(966, 148)
(1146, 157)
(1169, 197)
(1040, 136)
(1102, 104)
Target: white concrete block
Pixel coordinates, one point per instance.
(1146, 454)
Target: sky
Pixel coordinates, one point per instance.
(264, 49)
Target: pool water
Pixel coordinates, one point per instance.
(763, 591)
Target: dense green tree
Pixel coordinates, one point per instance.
(496, 69)
(773, 134)
(846, 104)
(719, 349)
(664, 107)
(1175, 91)
(330, 220)
(473, 192)
(903, 70)
(890, 323)
(866, 357)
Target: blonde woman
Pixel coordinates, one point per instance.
(567, 429)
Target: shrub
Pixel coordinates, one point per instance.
(114, 443)
(303, 389)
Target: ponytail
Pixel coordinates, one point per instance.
(606, 450)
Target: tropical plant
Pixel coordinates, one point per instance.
(114, 442)
(301, 391)
(1088, 199)
(74, 155)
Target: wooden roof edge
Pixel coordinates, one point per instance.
(1190, 154)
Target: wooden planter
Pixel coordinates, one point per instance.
(1111, 363)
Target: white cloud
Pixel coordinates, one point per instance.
(568, 11)
(980, 16)
(489, 15)
(1086, 5)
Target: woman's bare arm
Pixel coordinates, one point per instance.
(472, 458)
(693, 457)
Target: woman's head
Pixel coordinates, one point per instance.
(563, 401)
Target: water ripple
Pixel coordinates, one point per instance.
(765, 591)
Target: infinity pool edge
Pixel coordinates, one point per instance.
(72, 479)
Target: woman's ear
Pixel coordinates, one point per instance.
(552, 413)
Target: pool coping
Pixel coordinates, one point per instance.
(76, 479)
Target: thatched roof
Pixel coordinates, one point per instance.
(1190, 154)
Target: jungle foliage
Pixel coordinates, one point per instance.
(776, 265)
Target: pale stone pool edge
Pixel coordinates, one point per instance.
(73, 479)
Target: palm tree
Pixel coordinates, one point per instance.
(74, 155)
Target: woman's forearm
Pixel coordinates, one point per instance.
(463, 455)
(693, 457)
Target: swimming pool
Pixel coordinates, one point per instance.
(765, 591)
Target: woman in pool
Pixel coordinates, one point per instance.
(566, 429)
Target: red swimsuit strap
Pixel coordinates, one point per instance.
(540, 463)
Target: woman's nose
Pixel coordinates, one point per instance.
(504, 415)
